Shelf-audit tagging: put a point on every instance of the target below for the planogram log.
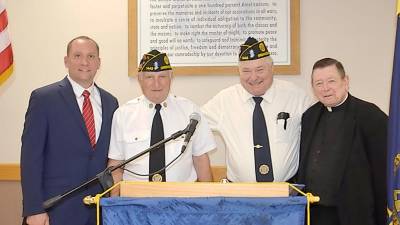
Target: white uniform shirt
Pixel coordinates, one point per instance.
(230, 113)
(131, 133)
(95, 99)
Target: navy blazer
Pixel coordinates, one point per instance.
(56, 154)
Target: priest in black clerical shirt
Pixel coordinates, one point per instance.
(343, 152)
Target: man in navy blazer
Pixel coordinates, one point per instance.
(58, 152)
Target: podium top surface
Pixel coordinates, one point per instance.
(202, 189)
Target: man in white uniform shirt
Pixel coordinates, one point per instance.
(272, 153)
(132, 130)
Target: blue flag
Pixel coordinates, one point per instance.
(394, 135)
(205, 210)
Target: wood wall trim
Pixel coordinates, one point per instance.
(218, 172)
(10, 172)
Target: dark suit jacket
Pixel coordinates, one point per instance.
(361, 178)
(56, 154)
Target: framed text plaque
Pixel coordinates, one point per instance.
(202, 37)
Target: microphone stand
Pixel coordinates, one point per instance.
(105, 178)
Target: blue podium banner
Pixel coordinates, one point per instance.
(203, 210)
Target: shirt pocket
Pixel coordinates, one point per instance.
(289, 132)
(135, 142)
(175, 145)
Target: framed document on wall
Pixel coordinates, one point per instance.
(203, 37)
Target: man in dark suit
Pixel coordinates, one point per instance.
(343, 152)
(65, 139)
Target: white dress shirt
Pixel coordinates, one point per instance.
(131, 133)
(230, 113)
(95, 99)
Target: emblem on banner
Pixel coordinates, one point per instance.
(394, 213)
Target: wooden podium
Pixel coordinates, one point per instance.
(202, 189)
(203, 203)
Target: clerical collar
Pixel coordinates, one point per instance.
(338, 106)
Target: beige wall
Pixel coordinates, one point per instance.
(360, 33)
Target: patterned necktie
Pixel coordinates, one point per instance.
(262, 152)
(157, 156)
(88, 117)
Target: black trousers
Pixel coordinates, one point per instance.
(324, 215)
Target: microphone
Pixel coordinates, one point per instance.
(194, 120)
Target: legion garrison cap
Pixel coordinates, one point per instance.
(253, 49)
(154, 61)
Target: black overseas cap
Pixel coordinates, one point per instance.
(154, 61)
(253, 49)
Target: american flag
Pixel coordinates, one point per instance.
(6, 54)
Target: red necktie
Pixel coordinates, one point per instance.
(88, 117)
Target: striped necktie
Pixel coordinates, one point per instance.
(88, 117)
